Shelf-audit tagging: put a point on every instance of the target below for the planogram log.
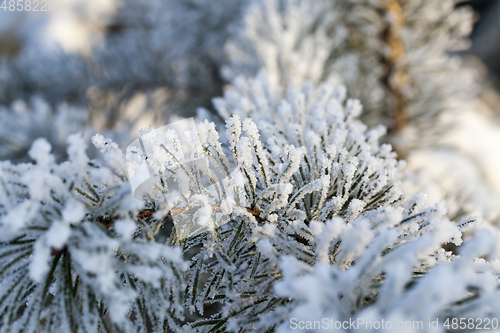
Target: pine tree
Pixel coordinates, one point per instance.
(284, 203)
(400, 59)
(314, 192)
(392, 55)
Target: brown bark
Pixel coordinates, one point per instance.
(395, 78)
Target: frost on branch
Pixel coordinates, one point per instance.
(399, 57)
(77, 251)
(389, 286)
(322, 208)
(302, 196)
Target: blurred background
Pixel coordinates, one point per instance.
(75, 23)
(34, 44)
(486, 45)
(486, 36)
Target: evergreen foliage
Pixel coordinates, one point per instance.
(317, 198)
(299, 213)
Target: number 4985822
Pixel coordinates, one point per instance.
(27, 5)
